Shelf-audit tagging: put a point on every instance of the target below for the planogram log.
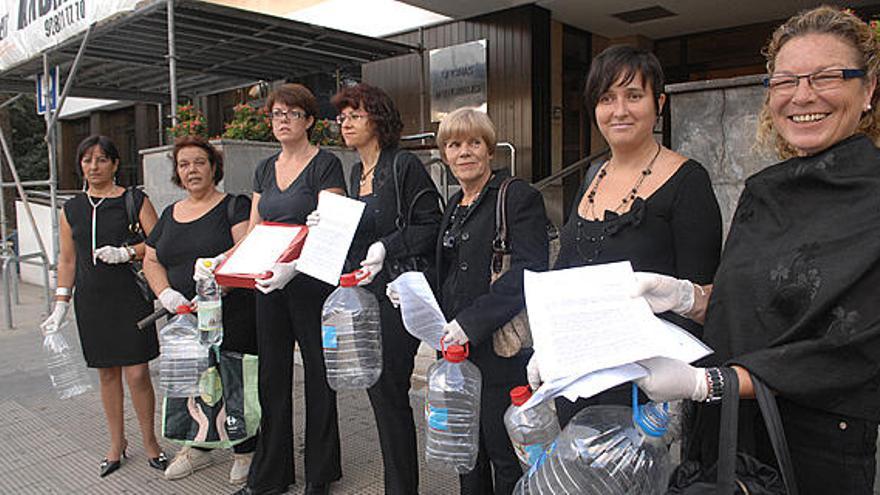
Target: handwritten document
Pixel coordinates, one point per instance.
(323, 254)
(584, 320)
(421, 314)
(260, 250)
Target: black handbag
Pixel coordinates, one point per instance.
(136, 235)
(394, 267)
(737, 472)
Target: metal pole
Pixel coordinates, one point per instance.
(421, 79)
(172, 62)
(159, 110)
(7, 297)
(51, 147)
(11, 100)
(69, 82)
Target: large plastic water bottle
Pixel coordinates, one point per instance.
(67, 370)
(452, 412)
(607, 450)
(352, 336)
(183, 358)
(531, 430)
(208, 300)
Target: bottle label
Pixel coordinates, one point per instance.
(328, 336)
(210, 316)
(541, 458)
(438, 418)
(528, 454)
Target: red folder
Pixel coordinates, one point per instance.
(247, 280)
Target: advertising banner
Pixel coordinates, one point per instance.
(29, 27)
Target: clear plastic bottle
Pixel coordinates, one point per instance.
(67, 370)
(210, 307)
(352, 336)
(605, 450)
(531, 430)
(452, 412)
(183, 358)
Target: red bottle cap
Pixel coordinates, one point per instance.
(455, 353)
(519, 395)
(352, 279)
(183, 309)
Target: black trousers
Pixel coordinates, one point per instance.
(284, 316)
(390, 400)
(497, 469)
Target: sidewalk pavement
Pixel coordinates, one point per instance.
(50, 446)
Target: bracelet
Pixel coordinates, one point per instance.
(132, 253)
(715, 381)
(62, 291)
(699, 288)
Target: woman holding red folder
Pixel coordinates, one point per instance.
(286, 187)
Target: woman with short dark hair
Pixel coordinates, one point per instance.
(204, 224)
(96, 246)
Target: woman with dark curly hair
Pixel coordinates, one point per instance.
(385, 178)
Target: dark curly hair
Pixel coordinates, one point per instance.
(294, 95)
(214, 157)
(382, 112)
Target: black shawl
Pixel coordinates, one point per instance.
(797, 294)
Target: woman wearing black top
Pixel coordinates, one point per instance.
(95, 251)
(647, 204)
(371, 124)
(206, 223)
(286, 187)
(466, 139)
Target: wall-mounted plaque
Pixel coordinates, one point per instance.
(458, 78)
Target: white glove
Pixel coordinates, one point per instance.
(665, 293)
(171, 300)
(671, 379)
(313, 219)
(53, 322)
(454, 334)
(533, 373)
(113, 255)
(204, 267)
(373, 263)
(393, 296)
(282, 273)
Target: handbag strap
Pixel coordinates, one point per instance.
(727, 436)
(400, 221)
(134, 224)
(773, 423)
(499, 244)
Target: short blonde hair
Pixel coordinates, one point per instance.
(466, 122)
(847, 27)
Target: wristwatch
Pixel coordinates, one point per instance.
(715, 380)
(132, 253)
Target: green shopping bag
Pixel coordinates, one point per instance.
(227, 410)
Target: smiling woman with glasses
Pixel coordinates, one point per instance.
(794, 301)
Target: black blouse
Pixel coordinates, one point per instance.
(293, 204)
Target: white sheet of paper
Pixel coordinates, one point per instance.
(260, 249)
(323, 254)
(584, 320)
(421, 314)
(586, 386)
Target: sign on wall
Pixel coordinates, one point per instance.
(29, 27)
(51, 94)
(458, 78)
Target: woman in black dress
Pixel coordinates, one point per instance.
(286, 187)
(205, 224)
(371, 124)
(647, 204)
(95, 252)
(466, 139)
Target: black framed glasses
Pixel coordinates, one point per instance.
(786, 84)
(355, 117)
(288, 114)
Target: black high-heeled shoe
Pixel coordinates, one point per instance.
(107, 466)
(160, 463)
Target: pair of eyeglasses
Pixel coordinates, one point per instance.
(289, 114)
(355, 117)
(786, 84)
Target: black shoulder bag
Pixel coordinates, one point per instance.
(737, 472)
(409, 262)
(136, 235)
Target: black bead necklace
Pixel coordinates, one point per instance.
(591, 196)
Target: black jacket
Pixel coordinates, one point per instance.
(419, 236)
(465, 292)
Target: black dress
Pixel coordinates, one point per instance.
(464, 252)
(675, 231)
(179, 244)
(284, 317)
(107, 300)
